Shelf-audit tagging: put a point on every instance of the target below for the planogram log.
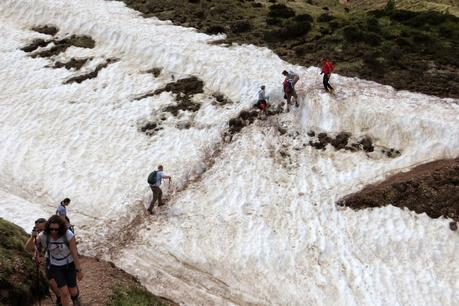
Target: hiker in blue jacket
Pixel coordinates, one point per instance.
(154, 180)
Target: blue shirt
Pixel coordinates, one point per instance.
(61, 211)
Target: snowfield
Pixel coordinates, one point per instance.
(248, 222)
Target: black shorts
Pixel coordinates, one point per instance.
(62, 275)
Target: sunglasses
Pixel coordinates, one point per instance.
(51, 229)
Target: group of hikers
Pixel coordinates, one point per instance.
(291, 78)
(53, 241)
(54, 245)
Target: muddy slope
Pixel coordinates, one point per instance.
(431, 188)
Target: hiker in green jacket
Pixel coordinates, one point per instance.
(154, 180)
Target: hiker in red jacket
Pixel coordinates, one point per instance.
(327, 68)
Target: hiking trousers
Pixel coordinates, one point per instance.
(157, 195)
(327, 85)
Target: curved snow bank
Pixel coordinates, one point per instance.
(258, 227)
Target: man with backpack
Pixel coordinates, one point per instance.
(291, 78)
(154, 180)
(32, 245)
(327, 68)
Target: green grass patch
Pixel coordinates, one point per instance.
(18, 276)
(132, 296)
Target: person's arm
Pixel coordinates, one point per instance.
(76, 259)
(30, 244)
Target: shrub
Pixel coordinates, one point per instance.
(273, 21)
(352, 33)
(241, 26)
(280, 11)
(304, 18)
(215, 29)
(325, 17)
(373, 25)
(371, 38)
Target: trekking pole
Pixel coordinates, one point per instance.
(37, 267)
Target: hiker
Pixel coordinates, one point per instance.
(262, 102)
(62, 260)
(32, 245)
(291, 78)
(62, 212)
(327, 68)
(154, 180)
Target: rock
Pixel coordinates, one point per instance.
(367, 144)
(400, 187)
(453, 226)
(311, 133)
(340, 141)
(324, 138)
(282, 130)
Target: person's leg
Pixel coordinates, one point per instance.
(55, 290)
(289, 98)
(153, 200)
(65, 296)
(71, 280)
(60, 278)
(328, 82)
(325, 81)
(296, 97)
(160, 197)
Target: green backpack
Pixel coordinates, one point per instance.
(152, 178)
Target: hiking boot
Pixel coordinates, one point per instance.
(58, 302)
(150, 211)
(76, 301)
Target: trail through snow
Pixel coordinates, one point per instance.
(257, 227)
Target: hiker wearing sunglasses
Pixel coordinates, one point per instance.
(33, 246)
(62, 261)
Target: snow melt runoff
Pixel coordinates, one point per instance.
(251, 221)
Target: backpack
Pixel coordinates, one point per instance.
(152, 178)
(48, 238)
(288, 86)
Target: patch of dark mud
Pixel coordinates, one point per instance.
(184, 89)
(91, 75)
(344, 140)
(150, 128)
(60, 45)
(155, 71)
(220, 99)
(35, 44)
(431, 188)
(72, 63)
(246, 118)
(46, 29)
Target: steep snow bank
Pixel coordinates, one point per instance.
(259, 227)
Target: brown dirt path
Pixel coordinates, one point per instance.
(100, 278)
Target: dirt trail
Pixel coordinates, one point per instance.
(100, 278)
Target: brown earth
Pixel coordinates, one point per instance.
(100, 279)
(431, 188)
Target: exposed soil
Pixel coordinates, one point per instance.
(346, 141)
(72, 63)
(155, 71)
(431, 188)
(91, 75)
(100, 279)
(46, 29)
(60, 45)
(389, 46)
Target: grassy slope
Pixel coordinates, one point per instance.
(17, 269)
(393, 48)
(132, 296)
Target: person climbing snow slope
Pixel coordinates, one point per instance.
(291, 78)
(327, 69)
(154, 180)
